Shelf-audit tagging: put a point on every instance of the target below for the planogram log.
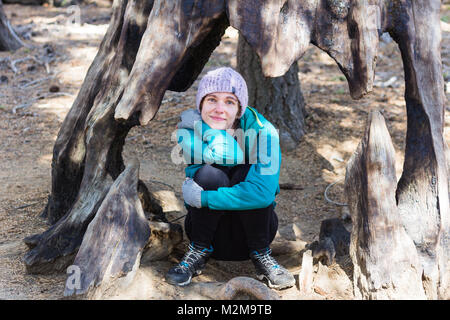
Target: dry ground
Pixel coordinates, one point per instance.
(29, 126)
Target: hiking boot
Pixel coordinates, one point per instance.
(191, 265)
(267, 267)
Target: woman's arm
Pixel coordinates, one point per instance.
(261, 184)
(206, 145)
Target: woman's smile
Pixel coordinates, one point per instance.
(217, 118)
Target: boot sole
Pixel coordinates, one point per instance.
(275, 286)
(183, 284)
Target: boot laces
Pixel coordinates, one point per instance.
(268, 261)
(191, 257)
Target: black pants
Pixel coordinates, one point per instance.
(233, 234)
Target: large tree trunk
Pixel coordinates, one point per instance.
(69, 152)
(9, 41)
(87, 154)
(279, 99)
(422, 192)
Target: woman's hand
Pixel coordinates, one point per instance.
(192, 193)
(188, 119)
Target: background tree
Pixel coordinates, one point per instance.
(8, 39)
(280, 99)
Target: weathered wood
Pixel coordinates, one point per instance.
(164, 237)
(422, 192)
(280, 32)
(87, 155)
(334, 240)
(152, 206)
(69, 151)
(386, 264)
(305, 278)
(175, 30)
(114, 240)
(9, 41)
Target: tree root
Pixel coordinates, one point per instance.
(247, 285)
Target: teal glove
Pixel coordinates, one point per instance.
(189, 118)
(192, 193)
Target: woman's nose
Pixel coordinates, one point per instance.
(220, 107)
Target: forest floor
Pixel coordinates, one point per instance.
(35, 98)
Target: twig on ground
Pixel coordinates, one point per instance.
(163, 183)
(45, 63)
(328, 199)
(26, 205)
(13, 63)
(10, 64)
(291, 186)
(29, 84)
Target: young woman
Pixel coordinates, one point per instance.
(231, 182)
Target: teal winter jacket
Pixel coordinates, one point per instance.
(260, 141)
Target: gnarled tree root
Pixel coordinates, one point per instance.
(233, 289)
(249, 286)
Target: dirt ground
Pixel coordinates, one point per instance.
(35, 98)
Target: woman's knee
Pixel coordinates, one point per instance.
(211, 178)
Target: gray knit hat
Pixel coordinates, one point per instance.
(223, 79)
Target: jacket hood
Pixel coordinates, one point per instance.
(252, 119)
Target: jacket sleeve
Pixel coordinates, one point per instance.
(261, 185)
(206, 145)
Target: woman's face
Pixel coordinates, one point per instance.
(219, 110)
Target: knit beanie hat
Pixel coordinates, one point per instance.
(223, 79)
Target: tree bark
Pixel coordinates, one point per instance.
(279, 99)
(385, 260)
(9, 41)
(334, 241)
(87, 155)
(422, 193)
